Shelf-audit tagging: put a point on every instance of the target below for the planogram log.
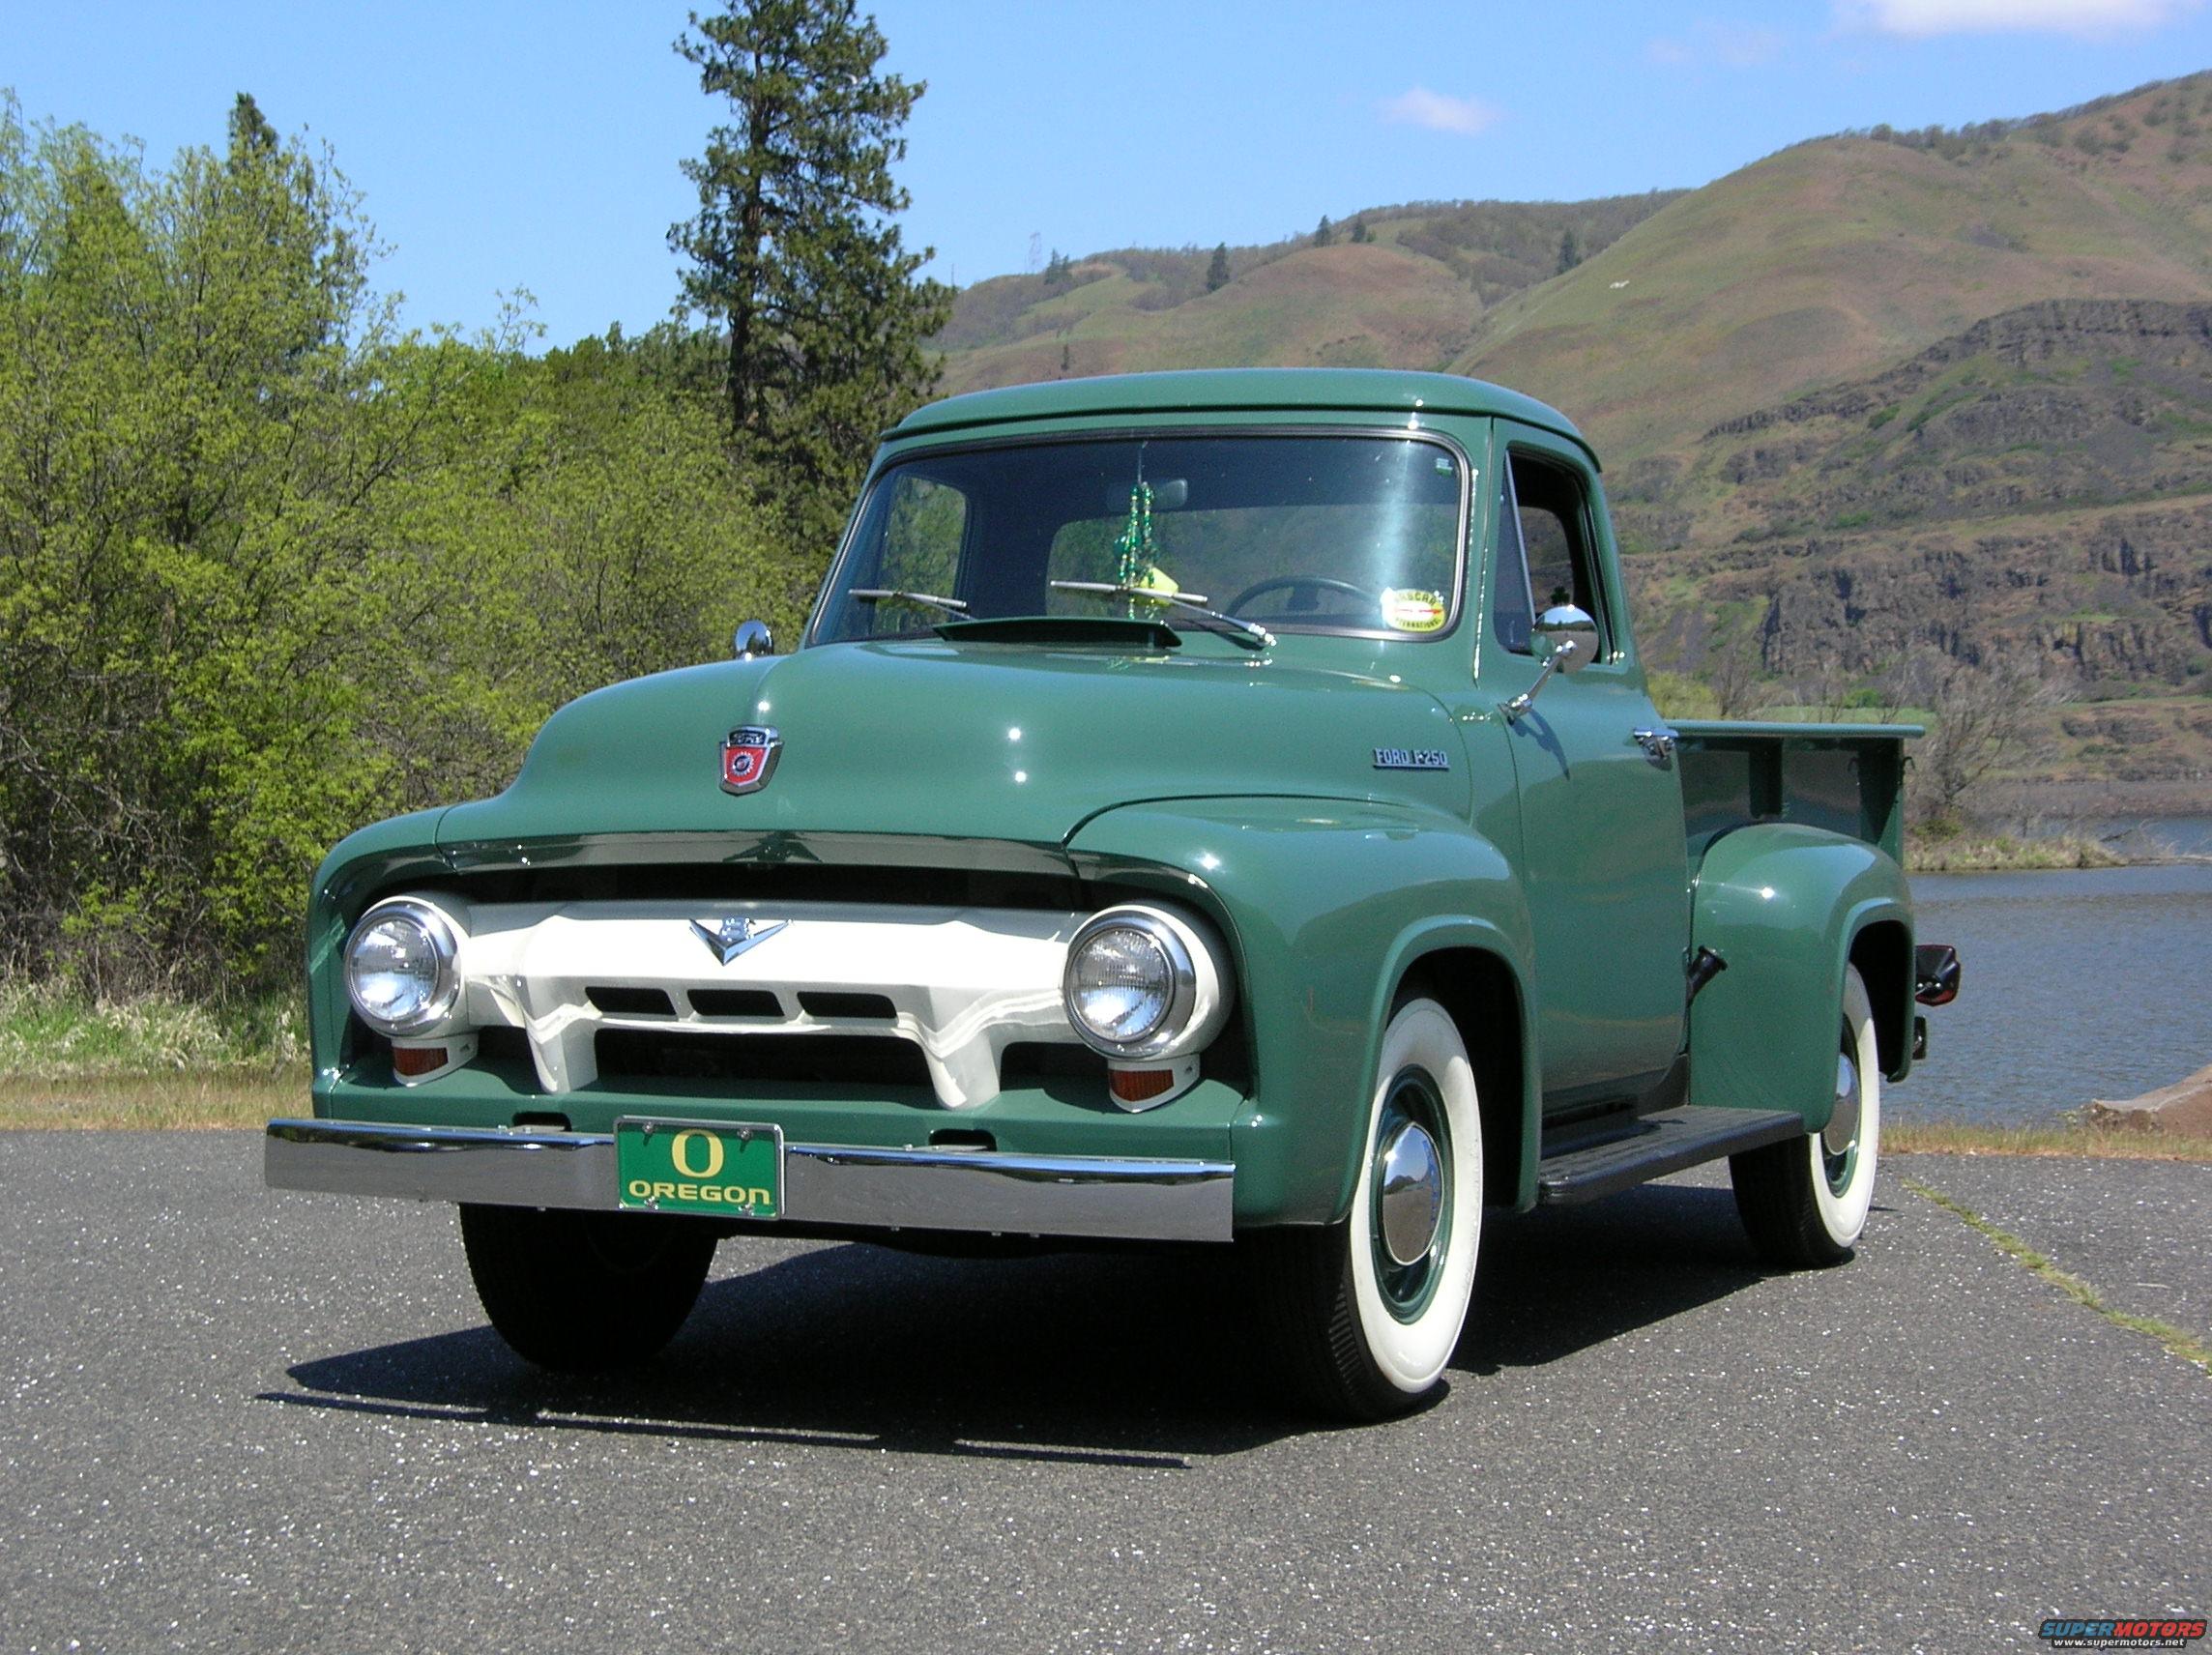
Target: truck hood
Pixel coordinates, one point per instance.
(961, 740)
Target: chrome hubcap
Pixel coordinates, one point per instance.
(1409, 1181)
(1843, 1129)
(1413, 1193)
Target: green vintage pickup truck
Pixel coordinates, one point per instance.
(1203, 808)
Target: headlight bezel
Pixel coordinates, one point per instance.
(1196, 1001)
(438, 931)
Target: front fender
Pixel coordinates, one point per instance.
(371, 859)
(1783, 905)
(1327, 903)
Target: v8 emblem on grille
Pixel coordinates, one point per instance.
(730, 938)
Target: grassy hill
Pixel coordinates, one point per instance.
(1411, 296)
(1837, 257)
(1829, 260)
(1876, 390)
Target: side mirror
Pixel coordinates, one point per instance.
(753, 639)
(1565, 640)
(1561, 624)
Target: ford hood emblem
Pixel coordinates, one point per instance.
(748, 758)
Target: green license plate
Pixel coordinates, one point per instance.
(692, 1165)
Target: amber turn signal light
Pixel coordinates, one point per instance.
(419, 1059)
(1140, 1085)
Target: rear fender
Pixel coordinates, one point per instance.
(1326, 904)
(1784, 906)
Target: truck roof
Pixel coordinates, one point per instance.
(1321, 390)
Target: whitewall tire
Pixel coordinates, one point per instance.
(1805, 1202)
(1367, 1313)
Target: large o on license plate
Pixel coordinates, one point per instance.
(707, 1166)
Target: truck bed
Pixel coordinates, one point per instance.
(1847, 778)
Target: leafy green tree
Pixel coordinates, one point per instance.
(1323, 233)
(269, 570)
(1217, 272)
(793, 253)
(201, 415)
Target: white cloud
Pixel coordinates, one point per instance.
(1921, 18)
(1732, 45)
(1418, 107)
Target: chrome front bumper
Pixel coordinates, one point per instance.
(1087, 1195)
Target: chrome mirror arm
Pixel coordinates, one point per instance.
(1553, 662)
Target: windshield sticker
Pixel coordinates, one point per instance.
(1410, 610)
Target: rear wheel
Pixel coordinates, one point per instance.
(1365, 1314)
(582, 1292)
(1804, 1201)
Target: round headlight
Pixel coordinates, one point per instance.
(1142, 981)
(399, 967)
(1121, 985)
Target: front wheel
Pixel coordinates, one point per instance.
(1804, 1201)
(1365, 1312)
(582, 1292)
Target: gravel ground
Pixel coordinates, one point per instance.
(234, 1419)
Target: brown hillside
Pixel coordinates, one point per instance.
(2037, 488)
(1837, 257)
(1411, 296)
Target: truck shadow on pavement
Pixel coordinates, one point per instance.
(1142, 1359)
(1560, 1280)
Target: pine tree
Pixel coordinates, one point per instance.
(1570, 251)
(250, 132)
(793, 253)
(1323, 233)
(1217, 272)
(1361, 234)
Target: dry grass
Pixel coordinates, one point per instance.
(1975, 855)
(49, 1031)
(1952, 1138)
(194, 1099)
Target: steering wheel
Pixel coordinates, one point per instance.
(1308, 582)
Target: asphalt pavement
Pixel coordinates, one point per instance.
(231, 1419)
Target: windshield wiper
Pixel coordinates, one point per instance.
(1243, 631)
(891, 594)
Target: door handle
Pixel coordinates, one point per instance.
(1658, 745)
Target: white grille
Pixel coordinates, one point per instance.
(963, 983)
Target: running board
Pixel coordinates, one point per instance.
(1652, 1146)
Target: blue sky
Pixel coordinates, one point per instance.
(503, 145)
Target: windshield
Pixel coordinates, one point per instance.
(1294, 533)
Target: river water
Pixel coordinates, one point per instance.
(2083, 984)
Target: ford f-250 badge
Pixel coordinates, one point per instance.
(749, 756)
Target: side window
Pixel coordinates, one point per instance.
(1511, 610)
(921, 551)
(1550, 520)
